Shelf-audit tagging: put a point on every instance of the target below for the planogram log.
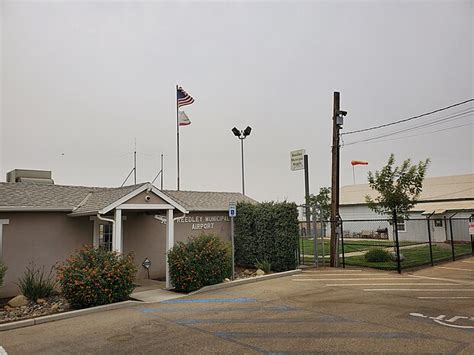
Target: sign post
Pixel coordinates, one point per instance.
(146, 264)
(232, 214)
(299, 161)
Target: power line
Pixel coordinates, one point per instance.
(446, 119)
(408, 119)
(414, 135)
(442, 120)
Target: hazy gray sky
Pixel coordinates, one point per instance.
(81, 80)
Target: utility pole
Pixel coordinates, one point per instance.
(337, 122)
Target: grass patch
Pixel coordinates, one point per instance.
(413, 257)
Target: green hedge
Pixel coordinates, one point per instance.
(203, 260)
(267, 231)
(3, 270)
(377, 255)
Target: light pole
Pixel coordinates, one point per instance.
(242, 134)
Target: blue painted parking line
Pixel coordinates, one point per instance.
(211, 300)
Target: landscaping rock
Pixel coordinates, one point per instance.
(226, 279)
(18, 301)
(260, 272)
(241, 273)
(53, 304)
(41, 301)
(393, 256)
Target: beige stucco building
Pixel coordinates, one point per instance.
(445, 206)
(44, 223)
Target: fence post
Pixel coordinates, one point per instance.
(342, 246)
(429, 238)
(299, 250)
(323, 234)
(315, 239)
(302, 245)
(452, 240)
(472, 240)
(399, 268)
(297, 253)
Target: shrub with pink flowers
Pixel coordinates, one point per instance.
(95, 276)
(202, 261)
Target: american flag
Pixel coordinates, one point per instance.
(183, 97)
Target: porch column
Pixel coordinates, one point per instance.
(169, 242)
(117, 241)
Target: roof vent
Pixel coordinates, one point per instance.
(31, 176)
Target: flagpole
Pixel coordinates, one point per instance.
(177, 135)
(353, 174)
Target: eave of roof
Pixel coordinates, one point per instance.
(83, 201)
(33, 209)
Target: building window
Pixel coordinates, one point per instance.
(401, 226)
(105, 236)
(438, 222)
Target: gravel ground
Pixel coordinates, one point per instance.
(42, 307)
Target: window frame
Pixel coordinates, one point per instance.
(105, 236)
(402, 223)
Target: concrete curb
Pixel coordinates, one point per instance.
(245, 281)
(66, 315)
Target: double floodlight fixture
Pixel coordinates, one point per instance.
(242, 134)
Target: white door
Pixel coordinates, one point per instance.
(438, 231)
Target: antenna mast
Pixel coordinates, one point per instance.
(135, 164)
(160, 173)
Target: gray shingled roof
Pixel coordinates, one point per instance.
(97, 200)
(41, 196)
(59, 197)
(206, 200)
(84, 199)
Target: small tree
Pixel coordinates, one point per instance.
(322, 203)
(398, 186)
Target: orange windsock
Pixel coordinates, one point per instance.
(359, 162)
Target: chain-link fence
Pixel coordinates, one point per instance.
(383, 244)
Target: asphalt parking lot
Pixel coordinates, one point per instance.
(317, 311)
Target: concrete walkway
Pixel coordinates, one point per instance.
(150, 291)
(362, 252)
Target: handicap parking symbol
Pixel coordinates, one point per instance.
(462, 322)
